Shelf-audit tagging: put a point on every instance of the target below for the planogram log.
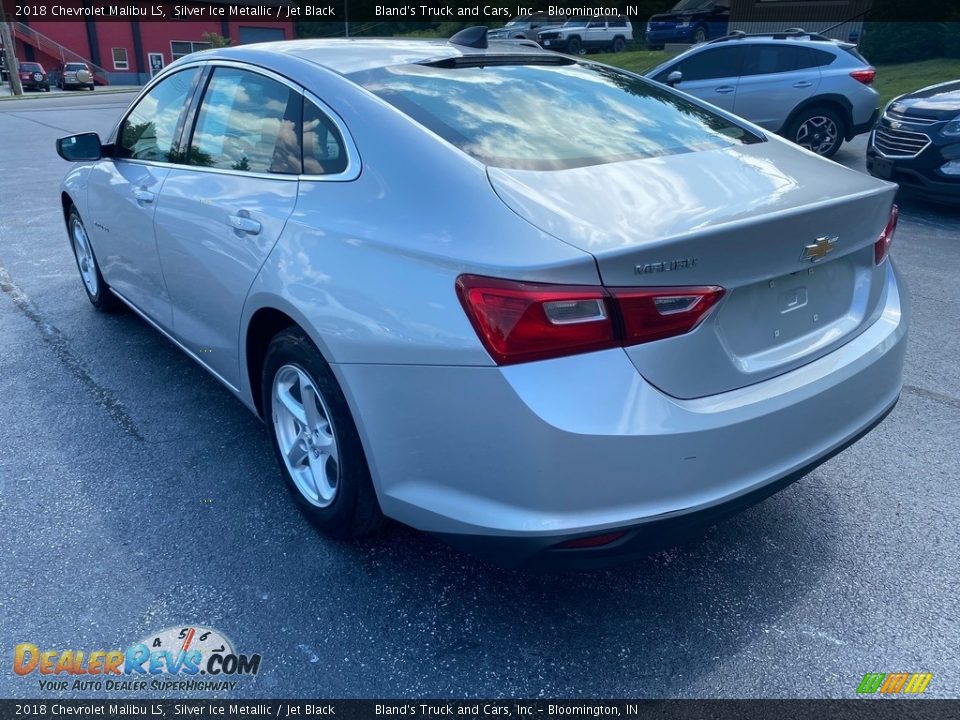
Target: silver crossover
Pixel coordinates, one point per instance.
(813, 90)
(547, 338)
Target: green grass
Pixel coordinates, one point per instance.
(892, 80)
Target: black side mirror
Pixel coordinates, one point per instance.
(84, 147)
(674, 78)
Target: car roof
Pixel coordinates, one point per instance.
(349, 55)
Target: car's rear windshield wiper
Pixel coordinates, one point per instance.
(464, 61)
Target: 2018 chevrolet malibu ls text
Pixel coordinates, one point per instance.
(547, 338)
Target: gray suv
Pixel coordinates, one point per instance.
(814, 91)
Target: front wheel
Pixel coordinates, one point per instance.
(574, 46)
(819, 130)
(98, 292)
(315, 439)
(700, 35)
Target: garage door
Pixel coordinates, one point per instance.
(260, 34)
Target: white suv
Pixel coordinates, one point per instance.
(578, 36)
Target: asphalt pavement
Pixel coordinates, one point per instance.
(136, 494)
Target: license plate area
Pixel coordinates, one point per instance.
(882, 168)
(778, 320)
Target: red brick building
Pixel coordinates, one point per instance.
(129, 52)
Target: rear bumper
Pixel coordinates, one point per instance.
(864, 127)
(638, 541)
(508, 462)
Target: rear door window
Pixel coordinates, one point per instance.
(762, 59)
(247, 122)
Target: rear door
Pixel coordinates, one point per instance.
(219, 217)
(776, 78)
(711, 75)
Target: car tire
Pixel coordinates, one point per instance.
(574, 46)
(699, 35)
(618, 45)
(46, 88)
(654, 47)
(315, 439)
(96, 288)
(818, 129)
(92, 87)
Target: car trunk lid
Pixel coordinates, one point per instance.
(754, 219)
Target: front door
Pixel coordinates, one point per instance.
(219, 217)
(711, 75)
(123, 196)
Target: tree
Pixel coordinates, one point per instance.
(215, 40)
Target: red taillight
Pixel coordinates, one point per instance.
(519, 321)
(657, 313)
(866, 75)
(882, 247)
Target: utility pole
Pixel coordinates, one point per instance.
(10, 57)
(346, 21)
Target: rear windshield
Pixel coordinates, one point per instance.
(551, 117)
(32, 67)
(76, 66)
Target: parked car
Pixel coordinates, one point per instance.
(812, 90)
(75, 75)
(559, 342)
(693, 21)
(578, 36)
(34, 77)
(525, 27)
(917, 143)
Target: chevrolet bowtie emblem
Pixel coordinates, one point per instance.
(819, 250)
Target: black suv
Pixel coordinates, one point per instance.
(917, 143)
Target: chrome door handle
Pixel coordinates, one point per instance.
(803, 84)
(244, 224)
(143, 195)
(724, 89)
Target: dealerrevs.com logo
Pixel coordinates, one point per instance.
(176, 659)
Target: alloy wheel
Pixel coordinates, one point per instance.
(818, 134)
(88, 268)
(306, 436)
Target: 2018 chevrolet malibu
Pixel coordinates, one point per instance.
(547, 338)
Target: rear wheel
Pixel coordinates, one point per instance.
(98, 292)
(574, 46)
(618, 44)
(91, 87)
(315, 439)
(820, 130)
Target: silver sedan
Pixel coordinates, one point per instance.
(548, 310)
